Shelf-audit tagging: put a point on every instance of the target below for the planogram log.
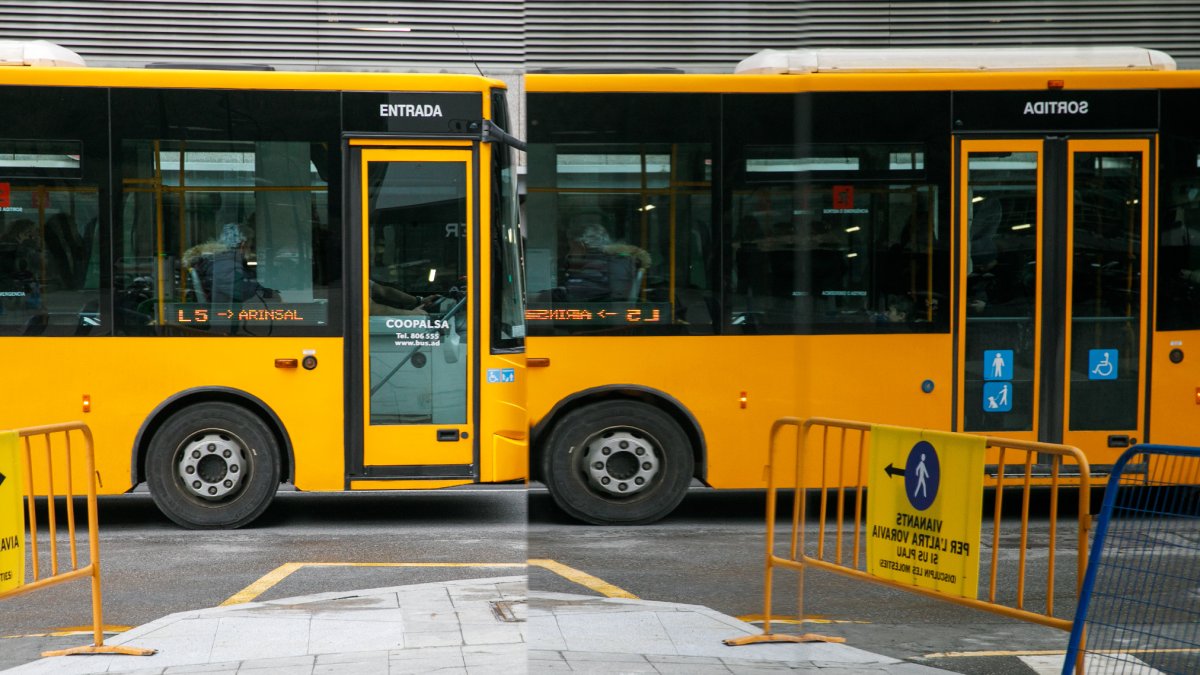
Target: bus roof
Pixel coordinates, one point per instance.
(921, 59)
(37, 53)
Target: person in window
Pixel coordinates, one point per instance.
(20, 259)
(388, 301)
(982, 253)
(65, 251)
(599, 269)
(899, 310)
(224, 269)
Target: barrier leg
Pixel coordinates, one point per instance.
(797, 541)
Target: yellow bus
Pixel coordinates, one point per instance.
(1003, 241)
(240, 278)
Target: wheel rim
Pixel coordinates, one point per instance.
(621, 461)
(212, 464)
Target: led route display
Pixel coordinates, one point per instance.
(602, 313)
(287, 313)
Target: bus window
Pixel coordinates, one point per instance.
(49, 242)
(224, 236)
(821, 244)
(417, 269)
(508, 298)
(1179, 242)
(622, 237)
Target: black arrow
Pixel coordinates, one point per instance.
(893, 471)
(2, 479)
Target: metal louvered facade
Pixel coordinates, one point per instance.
(507, 37)
(710, 35)
(462, 36)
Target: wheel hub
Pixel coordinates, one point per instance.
(620, 462)
(212, 465)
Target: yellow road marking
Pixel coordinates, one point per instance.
(758, 618)
(583, 579)
(71, 630)
(1058, 652)
(265, 582)
(270, 579)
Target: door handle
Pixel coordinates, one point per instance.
(447, 435)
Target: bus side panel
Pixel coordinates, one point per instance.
(127, 378)
(872, 378)
(1175, 397)
(504, 421)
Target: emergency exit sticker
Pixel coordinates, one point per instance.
(5, 195)
(843, 197)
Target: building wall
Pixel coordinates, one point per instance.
(505, 38)
(510, 36)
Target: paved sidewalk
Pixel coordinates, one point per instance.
(474, 626)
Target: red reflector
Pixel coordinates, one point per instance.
(1197, 395)
(87, 403)
(1055, 84)
(286, 363)
(742, 400)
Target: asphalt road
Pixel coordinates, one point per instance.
(151, 567)
(711, 552)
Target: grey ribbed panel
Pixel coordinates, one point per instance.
(507, 36)
(287, 34)
(1172, 26)
(695, 35)
(707, 35)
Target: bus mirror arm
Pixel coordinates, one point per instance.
(494, 134)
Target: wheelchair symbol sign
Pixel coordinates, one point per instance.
(501, 375)
(1102, 364)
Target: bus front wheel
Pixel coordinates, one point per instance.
(213, 466)
(617, 463)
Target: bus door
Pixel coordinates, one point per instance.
(410, 391)
(1052, 293)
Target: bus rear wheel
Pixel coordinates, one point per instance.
(617, 463)
(213, 466)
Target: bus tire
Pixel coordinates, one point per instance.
(617, 463)
(213, 466)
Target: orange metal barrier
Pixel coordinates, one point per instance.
(840, 457)
(45, 452)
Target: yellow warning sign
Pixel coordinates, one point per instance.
(925, 496)
(12, 521)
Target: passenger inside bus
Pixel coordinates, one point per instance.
(599, 269)
(982, 253)
(389, 301)
(20, 258)
(222, 271)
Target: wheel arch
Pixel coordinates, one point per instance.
(188, 397)
(623, 392)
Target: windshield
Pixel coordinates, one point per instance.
(508, 332)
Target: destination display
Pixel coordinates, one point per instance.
(604, 313)
(207, 314)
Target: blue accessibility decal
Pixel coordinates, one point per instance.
(501, 375)
(1102, 364)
